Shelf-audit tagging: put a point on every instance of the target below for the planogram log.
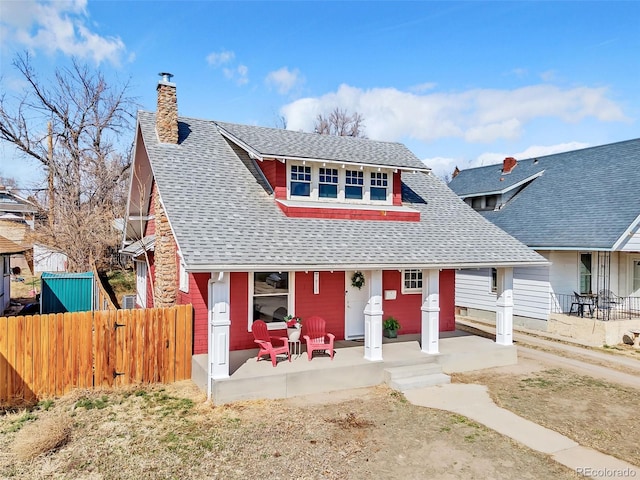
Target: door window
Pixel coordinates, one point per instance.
(585, 272)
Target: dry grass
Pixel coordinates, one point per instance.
(171, 432)
(592, 412)
(42, 436)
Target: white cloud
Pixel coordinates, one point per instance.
(284, 80)
(490, 158)
(473, 115)
(239, 74)
(443, 166)
(57, 26)
(215, 59)
(423, 87)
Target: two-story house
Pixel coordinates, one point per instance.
(248, 223)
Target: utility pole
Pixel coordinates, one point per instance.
(50, 159)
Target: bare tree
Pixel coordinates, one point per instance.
(340, 123)
(86, 166)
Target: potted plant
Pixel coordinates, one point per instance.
(294, 326)
(390, 327)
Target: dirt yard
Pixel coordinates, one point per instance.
(593, 412)
(171, 432)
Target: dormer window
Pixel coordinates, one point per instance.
(379, 183)
(300, 181)
(328, 183)
(354, 183)
(319, 182)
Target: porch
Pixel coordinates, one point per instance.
(602, 306)
(458, 352)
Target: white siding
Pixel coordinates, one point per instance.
(47, 260)
(563, 274)
(633, 244)
(530, 291)
(473, 289)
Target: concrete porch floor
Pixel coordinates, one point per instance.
(249, 379)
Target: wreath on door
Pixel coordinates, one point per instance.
(357, 280)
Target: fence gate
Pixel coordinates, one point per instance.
(49, 355)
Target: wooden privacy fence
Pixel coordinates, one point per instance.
(49, 355)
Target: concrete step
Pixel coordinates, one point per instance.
(408, 383)
(414, 370)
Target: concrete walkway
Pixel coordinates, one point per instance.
(474, 402)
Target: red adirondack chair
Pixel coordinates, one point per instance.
(265, 342)
(316, 337)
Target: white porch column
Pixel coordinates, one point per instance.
(430, 328)
(504, 307)
(219, 323)
(373, 319)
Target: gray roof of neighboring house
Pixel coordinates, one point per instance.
(222, 215)
(583, 199)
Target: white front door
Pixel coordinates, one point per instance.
(356, 300)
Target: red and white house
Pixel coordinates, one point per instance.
(249, 223)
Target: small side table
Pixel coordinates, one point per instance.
(295, 347)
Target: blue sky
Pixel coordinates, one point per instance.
(460, 83)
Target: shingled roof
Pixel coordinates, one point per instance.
(224, 217)
(8, 247)
(583, 199)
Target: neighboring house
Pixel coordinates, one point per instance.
(17, 218)
(47, 259)
(580, 210)
(247, 223)
(7, 249)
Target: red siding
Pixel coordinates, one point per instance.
(276, 174)
(198, 296)
(150, 227)
(240, 337)
(447, 300)
(397, 189)
(350, 213)
(328, 303)
(151, 278)
(406, 308)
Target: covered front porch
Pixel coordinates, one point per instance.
(249, 379)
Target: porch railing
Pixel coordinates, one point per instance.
(609, 308)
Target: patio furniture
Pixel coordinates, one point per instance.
(607, 301)
(580, 301)
(265, 342)
(316, 337)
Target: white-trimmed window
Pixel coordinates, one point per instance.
(324, 182)
(354, 185)
(327, 182)
(584, 272)
(494, 280)
(412, 281)
(6, 269)
(141, 284)
(379, 184)
(184, 278)
(300, 181)
(270, 297)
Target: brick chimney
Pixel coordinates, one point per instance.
(167, 114)
(509, 164)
